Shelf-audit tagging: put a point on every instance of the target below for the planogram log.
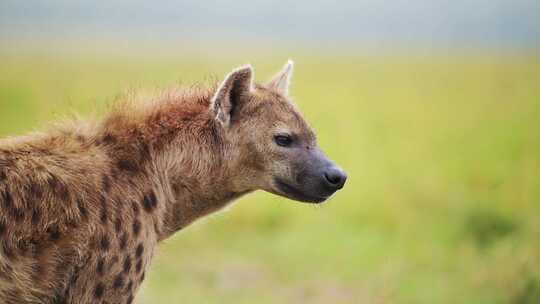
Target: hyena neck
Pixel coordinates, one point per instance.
(183, 153)
(196, 184)
(199, 180)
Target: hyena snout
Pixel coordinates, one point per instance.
(328, 176)
(335, 178)
(315, 179)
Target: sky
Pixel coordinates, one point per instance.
(427, 23)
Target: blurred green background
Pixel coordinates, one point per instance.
(442, 149)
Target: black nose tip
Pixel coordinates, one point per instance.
(335, 178)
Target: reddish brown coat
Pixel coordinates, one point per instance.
(83, 206)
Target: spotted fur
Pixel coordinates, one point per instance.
(83, 206)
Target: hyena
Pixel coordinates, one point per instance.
(84, 205)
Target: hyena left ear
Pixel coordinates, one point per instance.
(236, 86)
(280, 82)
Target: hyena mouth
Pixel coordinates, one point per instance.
(294, 193)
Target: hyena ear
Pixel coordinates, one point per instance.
(280, 82)
(236, 86)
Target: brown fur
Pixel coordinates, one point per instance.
(82, 207)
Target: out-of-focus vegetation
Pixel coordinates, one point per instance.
(442, 203)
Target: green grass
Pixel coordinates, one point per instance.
(442, 202)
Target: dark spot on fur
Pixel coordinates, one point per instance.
(127, 165)
(61, 299)
(127, 264)
(60, 190)
(54, 233)
(99, 290)
(37, 271)
(52, 181)
(73, 279)
(123, 241)
(36, 216)
(8, 200)
(35, 191)
(149, 201)
(130, 285)
(118, 281)
(138, 267)
(37, 248)
(114, 260)
(103, 216)
(82, 209)
(100, 268)
(118, 224)
(139, 251)
(23, 247)
(114, 173)
(8, 251)
(142, 277)
(136, 227)
(108, 139)
(144, 150)
(72, 224)
(104, 243)
(156, 228)
(106, 183)
(2, 228)
(18, 214)
(130, 299)
(3, 175)
(135, 207)
(103, 212)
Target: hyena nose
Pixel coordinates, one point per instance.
(335, 178)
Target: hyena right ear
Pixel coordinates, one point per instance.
(236, 86)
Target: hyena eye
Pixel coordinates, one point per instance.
(283, 140)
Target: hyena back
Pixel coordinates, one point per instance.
(82, 207)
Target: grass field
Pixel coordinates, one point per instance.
(442, 203)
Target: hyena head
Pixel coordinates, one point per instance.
(276, 149)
